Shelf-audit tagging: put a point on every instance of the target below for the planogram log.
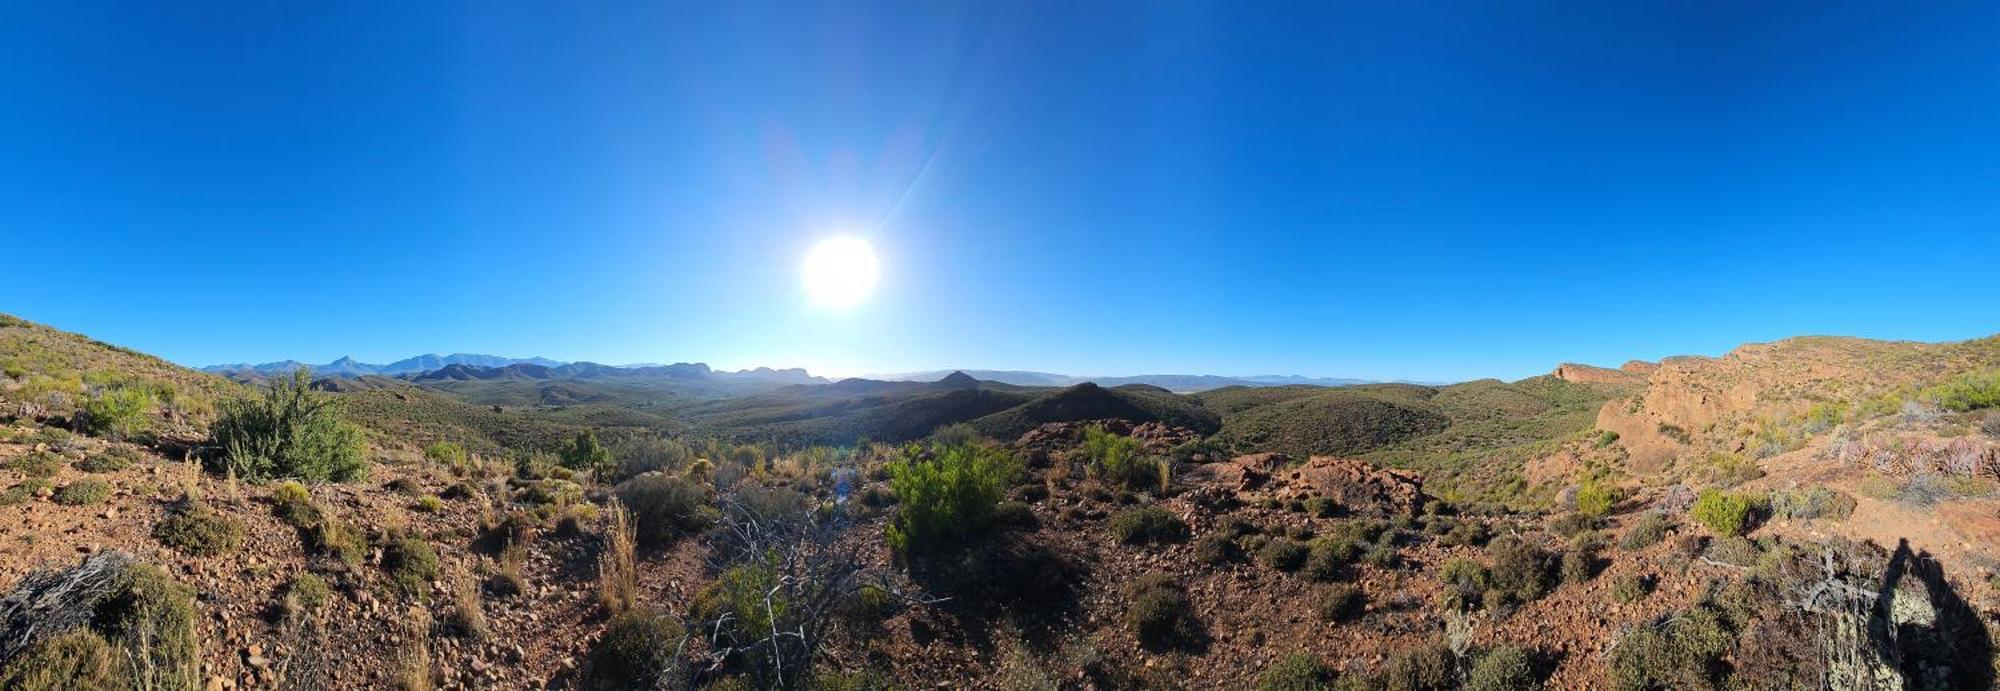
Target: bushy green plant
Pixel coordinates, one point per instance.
(1966, 392)
(1423, 668)
(447, 454)
(36, 464)
(1296, 672)
(110, 460)
(80, 659)
(1338, 602)
(1679, 652)
(1148, 525)
(1812, 502)
(195, 530)
(1506, 668)
(410, 563)
(1521, 571)
(118, 413)
(636, 651)
(1726, 514)
(292, 432)
(1465, 583)
(307, 593)
(1649, 530)
(1327, 557)
(1217, 548)
(1283, 554)
(1631, 588)
(665, 509)
(1115, 458)
(946, 495)
(83, 492)
(584, 452)
(1595, 498)
(1161, 616)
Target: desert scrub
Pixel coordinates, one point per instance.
(1649, 530)
(110, 460)
(1283, 554)
(1506, 668)
(428, 503)
(1739, 551)
(946, 495)
(1594, 498)
(410, 563)
(1148, 525)
(617, 570)
(1217, 548)
(636, 651)
(1338, 602)
(665, 509)
(1298, 671)
(1578, 566)
(198, 531)
(37, 464)
(1115, 458)
(1677, 652)
(1423, 667)
(80, 659)
(1465, 583)
(1161, 617)
(23, 491)
(1631, 588)
(1327, 558)
(83, 492)
(1810, 503)
(1966, 392)
(305, 595)
(292, 432)
(118, 413)
(141, 635)
(1521, 571)
(1725, 513)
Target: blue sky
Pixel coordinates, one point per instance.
(1431, 191)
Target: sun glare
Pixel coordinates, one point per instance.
(840, 272)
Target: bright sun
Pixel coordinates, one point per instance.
(840, 272)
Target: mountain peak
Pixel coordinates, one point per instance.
(958, 380)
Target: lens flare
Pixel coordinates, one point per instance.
(840, 272)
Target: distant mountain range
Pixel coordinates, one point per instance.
(348, 367)
(1182, 383)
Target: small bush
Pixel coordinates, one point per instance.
(1148, 525)
(411, 564)
(36, 465)
(1115, 458)
(292, 432)
(447, 454)
(83, 492)
(195, 530)
(1322, 507)
(1014, 515)
(1570, 524)
(306, 594)
(1578, 566)
(1217, 548)
(1296, 672)
(1283, 554)
(1465, 583)
(1734, 550)
(1606, 438)
(118, 413)
(80, 659)
(428, 503)
(1631, 588)
(1966, 392)
(1521, 570)
(1680, 652)
(142, 635)
(585, 453)
(636, 651)
(1467, 533)
(1649, 530)
(1423, 668)
(1594, 499)
(1327, 558)
(1338, 602)
(1725, 514)
(22, 492)
(1161, 616)
(947, 496)
(1813, 502)
(665, 509)
(111, 460)
(1505, 668)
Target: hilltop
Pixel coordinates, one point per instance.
(528, 526)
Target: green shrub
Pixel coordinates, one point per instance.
(429, 504)
(1505, 668)
(665, 508)
(1734, 550)
(1283, 554)
(1423, 668)
(946, 496)
(1606, 438)
(410, 563)
(1160, 616)
(1676, 433)
(1467, 533)
(80, 659)
(1322, 507)
(447, 454)
(292, 432)
(36, 464)
(1724, 513)
(153, 622)
(1521, 570)
(1649, 530)
(585, 453)
(636, 651)
(22, 492)
(1631, 588)
(1327, 558)
(1217, 548)
(1148, 525)
(1812, 502)
(1966, 392)
(1578, 566)
(1338, 602)
(195, 530)
(111, 460)
(118, 413)
(83, 492)
(1594, 499)
(1296, 672)
(1679, 652)
(1465, 583)
(307, 593)
(1115, 458)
